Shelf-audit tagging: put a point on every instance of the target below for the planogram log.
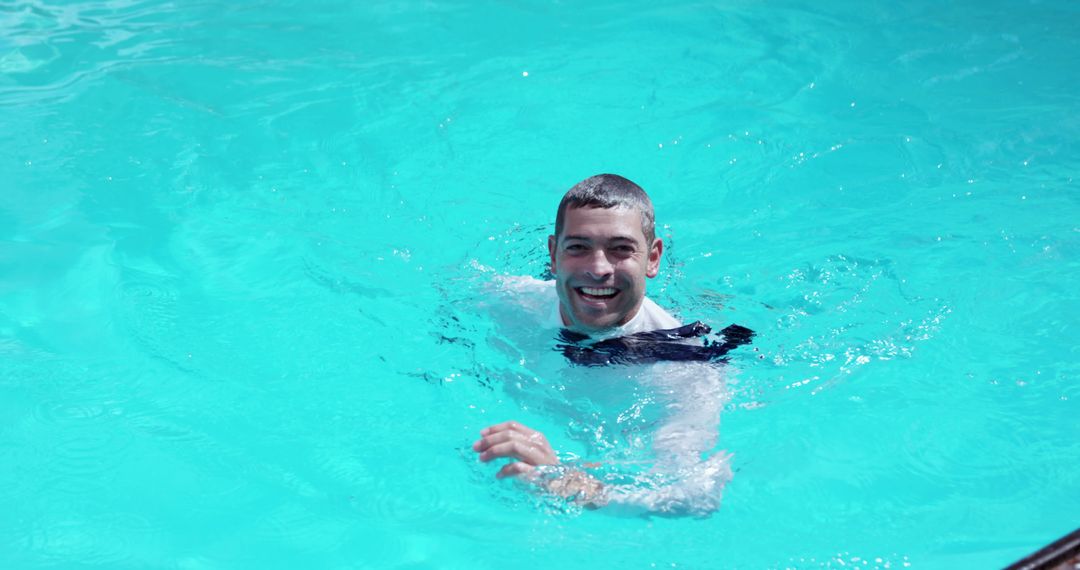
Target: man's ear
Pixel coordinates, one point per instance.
(552, 242)
(655, 252)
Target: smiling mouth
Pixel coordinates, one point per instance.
(597, 293)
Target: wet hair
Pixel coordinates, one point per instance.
(608, 191)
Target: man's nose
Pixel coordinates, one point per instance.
(599, 267)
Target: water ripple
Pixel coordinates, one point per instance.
(104, 540)
(41, 59)
(297, 524)
(421, 505)
(836, 316)
(148, 312)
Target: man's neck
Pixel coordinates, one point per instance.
(598, 332)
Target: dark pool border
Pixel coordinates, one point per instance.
(1062, 554)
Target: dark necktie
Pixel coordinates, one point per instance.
(653, 346)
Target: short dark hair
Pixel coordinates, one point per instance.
(608, 191)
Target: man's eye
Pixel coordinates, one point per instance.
(624, 249)
(575, 247)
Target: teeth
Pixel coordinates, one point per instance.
(601, 292)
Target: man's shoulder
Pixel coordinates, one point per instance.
(655, 317)
(534, 299)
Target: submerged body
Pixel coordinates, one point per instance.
(653, 427)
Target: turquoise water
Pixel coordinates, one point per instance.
(242, 247)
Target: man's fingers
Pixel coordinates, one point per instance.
(509, 426)
(484, 443)
(515, 469)
(513, 440)
(491, 439)
(520, 450)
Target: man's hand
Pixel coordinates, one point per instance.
(531, 449)
(515, 441)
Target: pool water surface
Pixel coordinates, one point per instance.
(246, 255)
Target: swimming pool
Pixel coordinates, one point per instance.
(241, 245)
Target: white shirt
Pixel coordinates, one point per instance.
(687, 395)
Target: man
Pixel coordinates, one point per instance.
(603, 250)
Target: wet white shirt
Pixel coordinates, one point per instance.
(685, 478)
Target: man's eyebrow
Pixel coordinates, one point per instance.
(610, 239)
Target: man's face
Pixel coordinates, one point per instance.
(600, 264)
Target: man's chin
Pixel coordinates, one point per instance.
(595, 324)
(591, 319)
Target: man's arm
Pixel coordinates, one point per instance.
(689, 475)
(690, 484)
